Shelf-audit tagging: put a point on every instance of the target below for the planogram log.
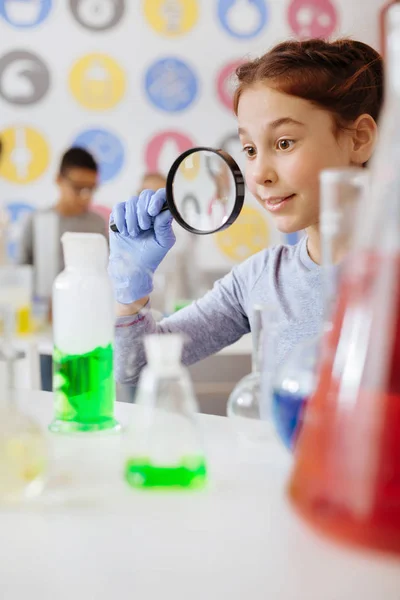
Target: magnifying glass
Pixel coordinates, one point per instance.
(205, 191)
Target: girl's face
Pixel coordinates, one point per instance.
(287, 142)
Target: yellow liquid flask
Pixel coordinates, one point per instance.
(23, 447)
(164, 448)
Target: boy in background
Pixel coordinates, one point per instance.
(77, 181)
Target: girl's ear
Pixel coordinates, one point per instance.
(363, 139)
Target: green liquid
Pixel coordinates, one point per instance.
(191, 473)
(84, 391)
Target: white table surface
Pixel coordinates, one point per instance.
(238, 540)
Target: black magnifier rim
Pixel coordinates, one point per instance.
(239, 189)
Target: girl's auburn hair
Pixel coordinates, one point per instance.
(344, 76)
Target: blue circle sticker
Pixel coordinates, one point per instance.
(171, 85)
(243, 19)
(106, 148)
(24, 13)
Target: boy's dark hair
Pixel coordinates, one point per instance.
(77, 158)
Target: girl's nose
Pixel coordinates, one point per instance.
(264, 173)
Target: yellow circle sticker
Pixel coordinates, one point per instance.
(171, 17)
(248, 234)
(97, 82)
(25, 154)
(189, 168)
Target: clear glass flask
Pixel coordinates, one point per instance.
(346, 477)
(23, 447)
(244, 400)
(341, 192)
(163, 443)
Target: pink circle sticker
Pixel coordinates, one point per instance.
(226, 83)
(312, 18)
(164, 148)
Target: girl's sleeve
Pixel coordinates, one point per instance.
(216, 320)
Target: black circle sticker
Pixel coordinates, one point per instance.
(24, 77)
(98, 15)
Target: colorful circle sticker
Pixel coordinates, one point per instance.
(190, 167)
(171, 17)
(107, 150)
(312, 18)
(243, 19)
(226, 83)
(24, 77)
(164, 148)
(248, 234)
(24, 13)
(97, 15)
(171, 85)
(25, 154)
(18, 212)
(97, 82)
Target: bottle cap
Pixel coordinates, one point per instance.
(85, 250)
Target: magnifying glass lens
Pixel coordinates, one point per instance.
(205, 191)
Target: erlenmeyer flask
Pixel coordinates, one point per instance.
(23, 448)
(163, 444)
(341, 191)
(346, 478)
(244, 400)
(293, 385)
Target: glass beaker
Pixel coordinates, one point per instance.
(16, 291)
(346, 478)
(164, 448)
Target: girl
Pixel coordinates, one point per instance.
(302, 107)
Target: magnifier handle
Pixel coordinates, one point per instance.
(114, 228)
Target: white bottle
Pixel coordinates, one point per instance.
(83, 319)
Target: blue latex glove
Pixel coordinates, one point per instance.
(144, 238)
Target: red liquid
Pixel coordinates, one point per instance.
(346, 479)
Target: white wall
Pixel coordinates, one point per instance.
(206, 47)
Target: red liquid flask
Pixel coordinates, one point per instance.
(346, 479)
(346, 476)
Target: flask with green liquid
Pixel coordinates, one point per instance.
(164, 449)
(83, 319)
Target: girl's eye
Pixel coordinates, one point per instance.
(249, 151)
(285, 144)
